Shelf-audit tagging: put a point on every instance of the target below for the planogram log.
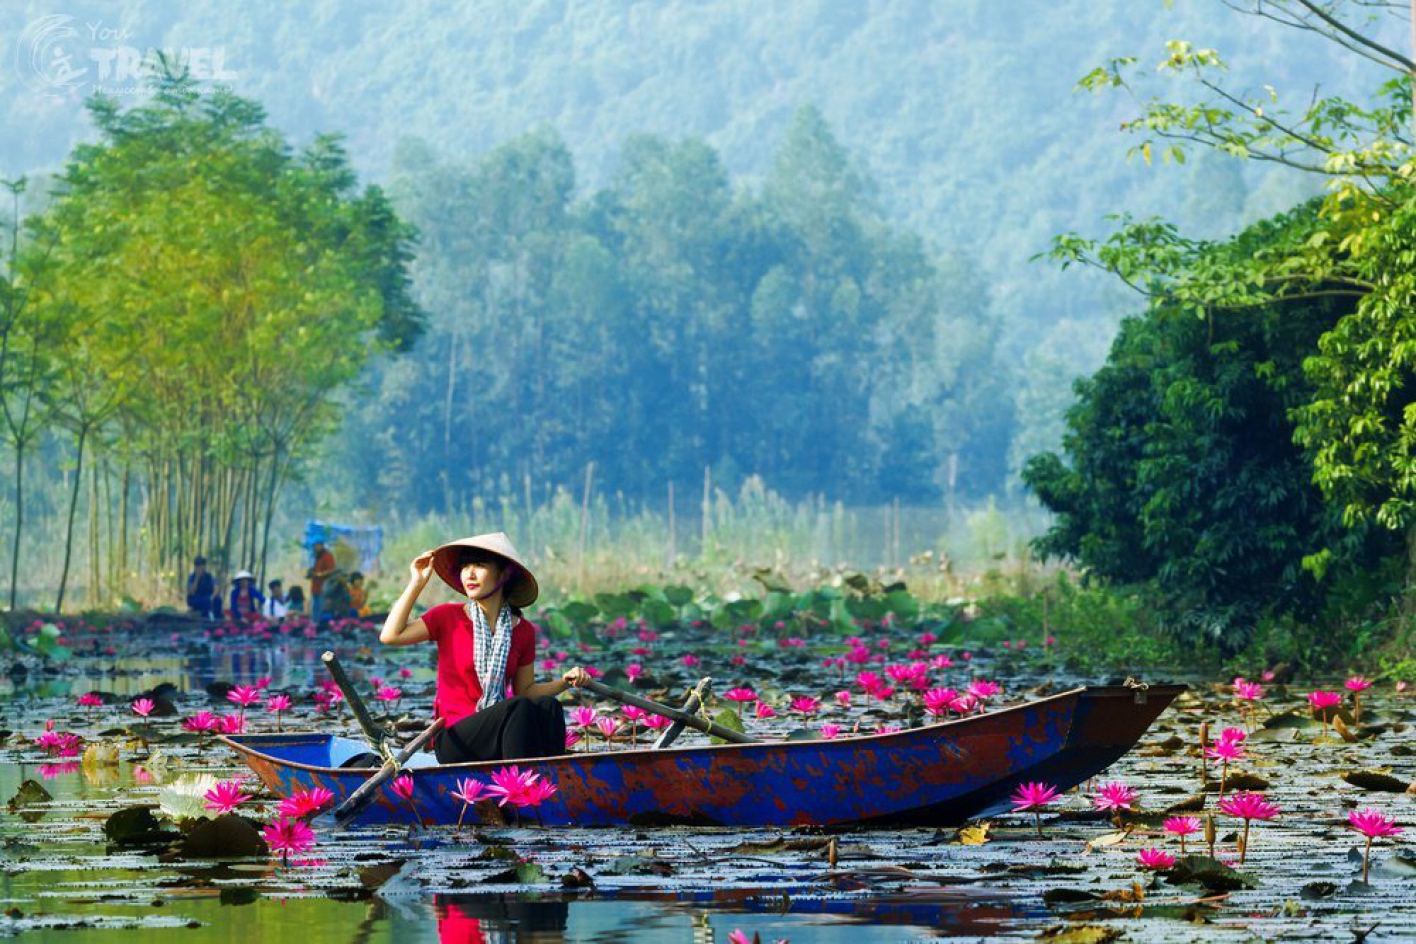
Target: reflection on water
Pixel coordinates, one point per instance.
(286, 665)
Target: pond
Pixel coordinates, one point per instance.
(1080, 880)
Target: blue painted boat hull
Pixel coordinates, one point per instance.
(937, 775)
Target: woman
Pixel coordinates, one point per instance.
(246, 600)
(484, 645)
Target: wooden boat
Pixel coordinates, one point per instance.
(936, 775)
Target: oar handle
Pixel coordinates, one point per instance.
(377, 737)
(692, 721)
(364, 795)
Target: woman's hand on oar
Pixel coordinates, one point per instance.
(576, 677)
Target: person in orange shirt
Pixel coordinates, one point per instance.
(324, 566)
(358, 594)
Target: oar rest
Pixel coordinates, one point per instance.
(691, 704)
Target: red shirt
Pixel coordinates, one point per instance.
(458, 686)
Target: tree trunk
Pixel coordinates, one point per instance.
(69, 526)
(19, 521)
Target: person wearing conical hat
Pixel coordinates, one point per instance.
(246, 600)
(485, 648)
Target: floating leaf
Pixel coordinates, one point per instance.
(1379, 780)
(29, 794)
(226, 836)
(975, 835)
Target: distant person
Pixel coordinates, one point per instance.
(358, 594)
(324, 566)
(246, 600)
(336, 603)
(275, 606)
(295, 602)
(201, 589)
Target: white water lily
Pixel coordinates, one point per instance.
(184, 798)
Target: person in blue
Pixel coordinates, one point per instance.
(201, 589)
(246, 600)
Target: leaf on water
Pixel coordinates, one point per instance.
(1084, 934)
(136, 826)
(101, 754)
(1238, 780)
(1108, 839)
(727, 718)
(1379, 780)
(1317, 891)
(1193, 804)
(374, 876)
(1208, 873)
(1067, 896)
(29, 794)
(226, 836)
(529, 873)
(184, 798)
(975, 835)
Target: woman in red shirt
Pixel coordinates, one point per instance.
(484, 646)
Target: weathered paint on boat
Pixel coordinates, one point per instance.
(937, 775)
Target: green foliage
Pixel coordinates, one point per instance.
(1182, 470)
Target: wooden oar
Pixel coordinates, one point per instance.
(379, 738)
(692, 721)
(363, 796)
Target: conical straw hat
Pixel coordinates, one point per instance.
(520, 592)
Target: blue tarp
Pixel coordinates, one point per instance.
(354, 547)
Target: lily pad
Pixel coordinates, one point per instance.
(226, 836)
(1379, 781)
(1210, 874)
(136, 826)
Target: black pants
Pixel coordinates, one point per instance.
(509, 730)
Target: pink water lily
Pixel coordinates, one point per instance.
(1114, 795)
(1374, 825)
(1033, 797)
(983, 690)
(277, 704)
(1248, 807)
(302, 803)
(403, 786)
(388, 693)
(1225, 751)
(633, 671)
(285, 835)
(583, 717)
(225, 796)
(1323, 703)
(940, 701)
(520, 788)
(469, 791)
(1357, 685)
(1155, 859)
(805, 705)
(829, 732)
(740, 695)
(1182, 826)
(143, 707)
(765, 711)
(244, 695)
(201, 722)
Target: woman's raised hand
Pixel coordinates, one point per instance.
(422, 568)
(576, 677)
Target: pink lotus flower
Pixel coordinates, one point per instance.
(1248, 807)
(231, 724)
(940, 701)
(740, 695)
(469, 791)
(225, 796)
(983, 690)
(765, 711)
(143, 707)
(1182, 826)
(302, 803)
(1247, 691)
(607, 726)
(1115, 796)
(690, 660)
(1155, 859)
(91, 700)
(285, 835)
(263, 682)
(656, 722)
(572, 738)
(1234, 735)
(244, 695)
(520, 788)
(201, 722)
(1034, 796)
(634, 714)
(403, 786)
(805, 705)
(405, 673)
(583, 716)
(1374, 825)
(843, 699)
(388, 693)
(278, 703)
(633, 671)
(1324, 700)
(1358, 684)
(829, 732)
(1225, 751)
